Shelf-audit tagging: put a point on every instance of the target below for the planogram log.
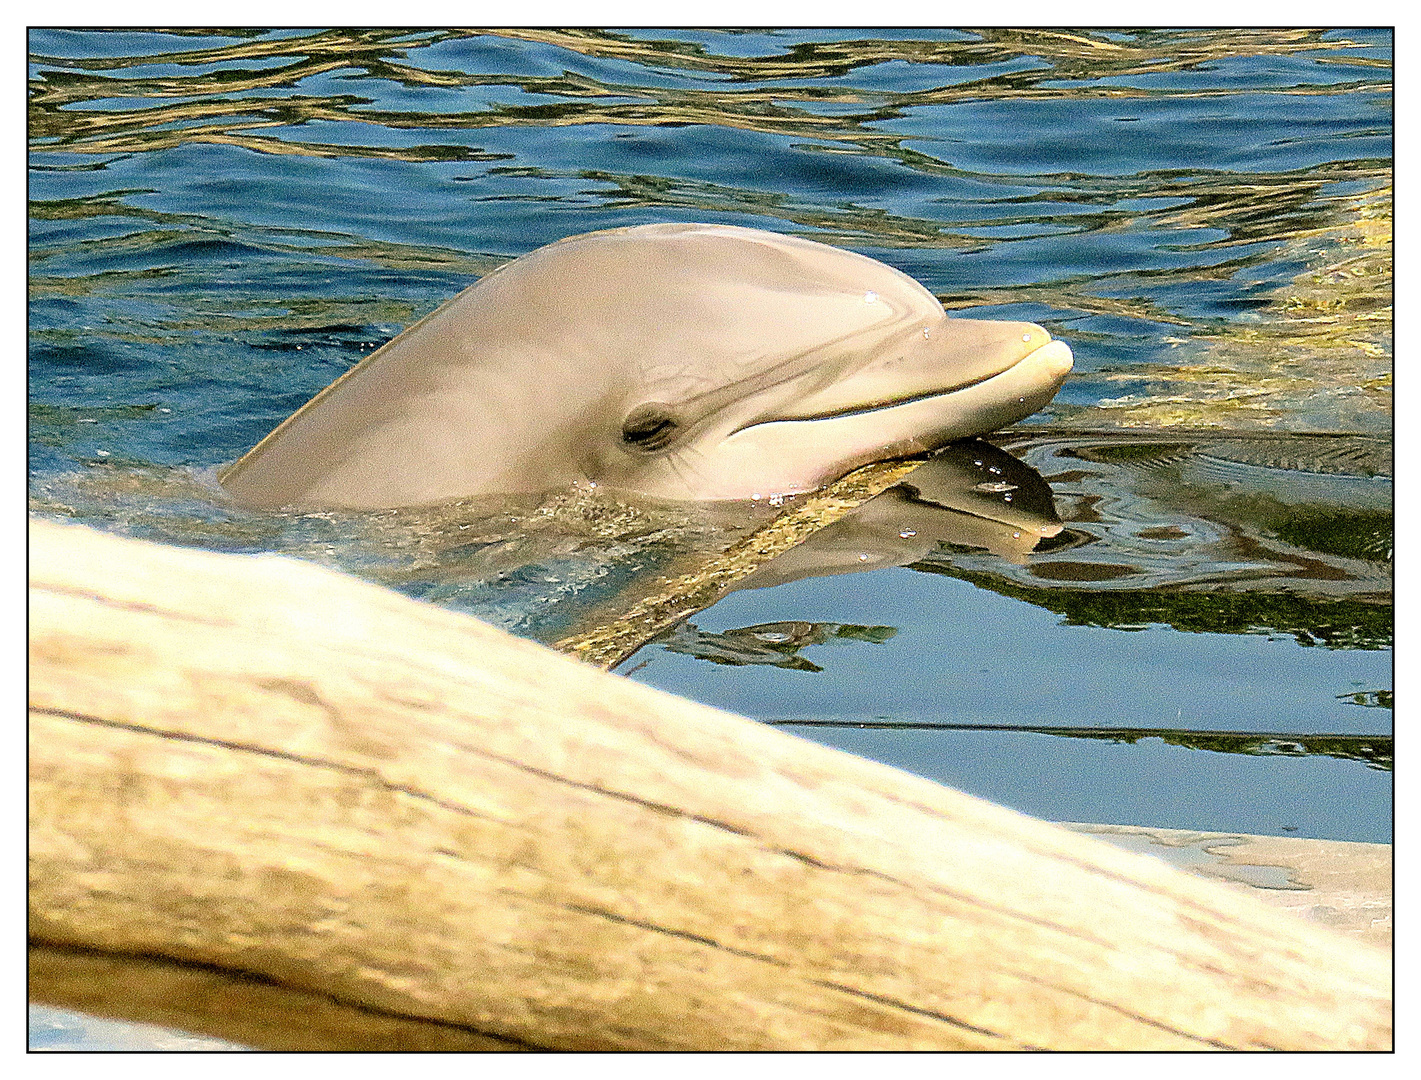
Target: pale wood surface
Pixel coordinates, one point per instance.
(263, 766)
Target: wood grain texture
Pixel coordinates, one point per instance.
(229, 1005)
(260, 765)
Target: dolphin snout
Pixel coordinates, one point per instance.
(945, 356)
(1055, 358)
(1034, 380)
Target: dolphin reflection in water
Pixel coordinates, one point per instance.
(687, 362)
(970, 494)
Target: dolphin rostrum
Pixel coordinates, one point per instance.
(681, 361)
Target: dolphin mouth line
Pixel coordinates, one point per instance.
(883, 406)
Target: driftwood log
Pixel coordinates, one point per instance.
(234, 1006)
(254, 765)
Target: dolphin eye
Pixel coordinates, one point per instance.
(650, 427)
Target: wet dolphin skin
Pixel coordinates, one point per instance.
(680, 361)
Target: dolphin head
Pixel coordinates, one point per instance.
(679, 361)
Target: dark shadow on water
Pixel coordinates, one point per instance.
(777, 644)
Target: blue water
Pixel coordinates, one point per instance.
(968, 692)
(967, 655)
(220, 225)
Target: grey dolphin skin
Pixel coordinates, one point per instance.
(693, 362)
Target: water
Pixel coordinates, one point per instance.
(220, 224)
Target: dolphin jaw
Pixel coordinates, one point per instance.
(1047, 365)
(924, 360)
(793, 455)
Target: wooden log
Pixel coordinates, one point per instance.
(263, 766)
(229, 1005)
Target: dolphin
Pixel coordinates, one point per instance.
(680, 361)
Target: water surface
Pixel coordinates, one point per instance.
(221, 223)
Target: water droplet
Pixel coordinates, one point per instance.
(976, 463)
(905, 533)
(1025, 337)
(995, 469)
(925, 333)
(1022, 400)
(1006, 498)
(870, 297)
(1016, 536)
(862, 557)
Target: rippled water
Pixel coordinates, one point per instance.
(221, 223)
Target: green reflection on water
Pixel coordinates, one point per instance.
(1373, 750)
(1332, 624)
